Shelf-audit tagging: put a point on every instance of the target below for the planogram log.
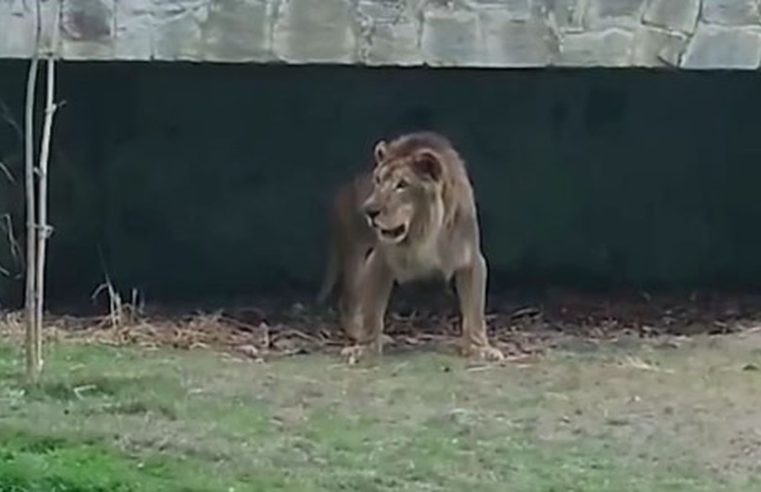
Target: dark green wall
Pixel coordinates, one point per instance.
(201, 181)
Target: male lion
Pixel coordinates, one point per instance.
(413, 217)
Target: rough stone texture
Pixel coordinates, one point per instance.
(451, 37)
(512, 9)
(655, 47)
(565, 15)
(87, 29)
(676, 15)
(612, 48)
(721, 47)
(238, 31)
(177, 29)
(393, 44)
(516, 43)
(488, 33)
(320, 31)
(389, 34)
(16, 30)
(614, 13)
(731, 12)
(134, 30)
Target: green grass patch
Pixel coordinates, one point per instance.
(110, 419)
(39, 463)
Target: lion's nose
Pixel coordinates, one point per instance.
(372, 212)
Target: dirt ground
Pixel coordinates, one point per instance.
(521, 328)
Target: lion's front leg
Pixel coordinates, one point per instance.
(354, 270)
(350, 308)
(373, 286)
(376, 293)
(471, 291)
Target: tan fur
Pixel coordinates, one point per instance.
(413, 217)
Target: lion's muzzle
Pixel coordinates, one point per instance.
(392, 234)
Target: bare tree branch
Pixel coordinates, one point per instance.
(7, 172)
(8, 118)
(7, 225)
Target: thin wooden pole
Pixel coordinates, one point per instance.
(43, 229)
(33, 354)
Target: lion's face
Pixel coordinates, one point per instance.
(406, 195)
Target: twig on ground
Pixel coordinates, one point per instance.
(292, 332)
(82, 389)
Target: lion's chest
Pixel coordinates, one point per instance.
(417, 263)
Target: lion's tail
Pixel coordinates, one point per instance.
(331, 276)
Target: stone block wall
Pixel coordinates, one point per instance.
(689, 34)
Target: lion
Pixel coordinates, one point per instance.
(413, 217)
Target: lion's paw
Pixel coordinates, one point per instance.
(491, 354)
(353, 353)
(485, 353)
(357, 352)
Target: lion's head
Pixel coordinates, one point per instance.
(406, 202)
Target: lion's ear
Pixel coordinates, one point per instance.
(428, 165)
(380, 151)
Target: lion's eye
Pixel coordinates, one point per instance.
(401, 185)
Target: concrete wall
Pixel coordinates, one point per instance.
(200, 181)
(690, 34)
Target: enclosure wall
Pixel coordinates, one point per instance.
(210, 181)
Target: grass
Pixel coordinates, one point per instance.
(124, 419)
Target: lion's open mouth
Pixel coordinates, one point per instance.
(393, 234)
